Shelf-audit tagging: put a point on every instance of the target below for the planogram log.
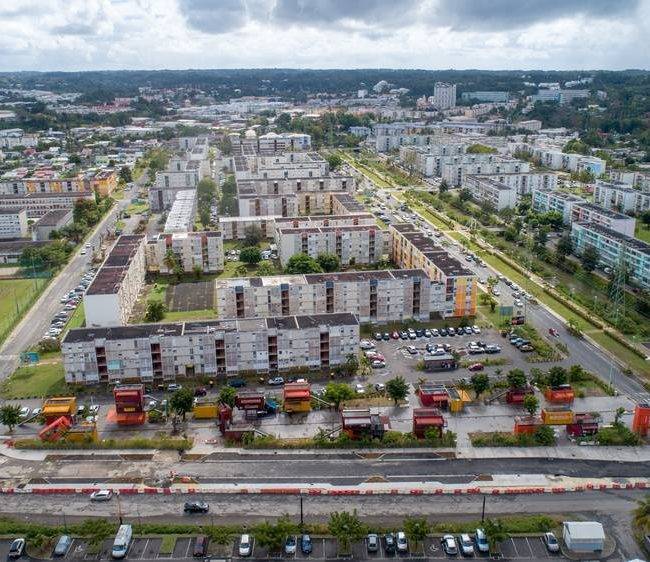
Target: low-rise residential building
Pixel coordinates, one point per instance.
(13, 223)
(372, 296)
(38, 204)
(496, 96)
(235, 228)
(545, 200)
(50, 222)
(181, 215)
(486, 189)
(613, 249)
(362, 244)
(595, 214)
(113, 293)
(193, 251)
(410, 249)
(221, 348)
(621, 196)
(12, 250)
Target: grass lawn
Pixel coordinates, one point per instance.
(42, 379)
(642, 232)
(16, 297)
(78, 319)
(136, 208)
(435, 221)
(190, 315)
(168, 543)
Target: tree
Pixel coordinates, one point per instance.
(329, 262)
(170, 261)
(302, 263)
(273, 536)
(250, 255)
(620, 411)
(464, 195)
(125, 174)
(557, 376)
(345, 527)
(253, 235)
(265, 268)
(564, 246)
(589, 259)
(480, 383)
(645, 218)
(531, 403)
(227, 395)
(397, 388)
(416, 529)
(443, 187)
(10, 416)
(337, 392)
(496, 533)
(544, 435)
(334, 161)
(516, 378)
(74, 159)
(155, 311)
(182, 401)
(642, 513)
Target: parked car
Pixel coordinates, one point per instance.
(200, 546)
(481, 541)
(402, 543)
(552, 544)
(62, 545)
(444, 332)
(395, 335)
(173, 387)
(17, 549)
(275, 381)
(101, 496)
(526, 348)
(427, 333)
(200, 391)
(386, 336)
(411, 349)
(24, 412)
(37, 412)
(475, 367)
(380, 387)
(377, 364)
(245, 545)
(435, 333)
(196, 507)
(359, 388)
(372, 542)
(366, 344)
(306, 545)
(389, 543)
(290, 545)
(449, 545)
(466, 545)
(236, 383)
(378, 336)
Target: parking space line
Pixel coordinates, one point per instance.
(187, 552)
(514, 546)
(144, 550)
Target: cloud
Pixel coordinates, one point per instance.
(74, 29)
(211, 16)
(498, 15)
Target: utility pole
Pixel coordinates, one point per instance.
(483, 510)
(301, 515)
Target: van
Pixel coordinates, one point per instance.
(122, 541)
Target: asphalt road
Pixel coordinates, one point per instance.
(37, 320)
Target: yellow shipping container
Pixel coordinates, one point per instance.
(205, 410)
(557, 417)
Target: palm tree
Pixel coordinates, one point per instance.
(642, 514)
(496, 534)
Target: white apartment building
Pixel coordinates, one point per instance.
(13, 223)
(614, 247)
(113, 293)
(317, 221)
(38, 204)
(290, 165)
(444, 96)
(352, 244)
(595, 214)
(11, 138)
(410, 249)
(427, 159)
(284, 142)
(235, 228)
(545, 200)
(486, 96)
(620, 196)
(372, 296)
(486, 189)
(255, 206)
(192, 250)
(219, 348)
(455, 169)
(557, 160)
(182, 213)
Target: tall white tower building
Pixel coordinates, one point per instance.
(444, 95)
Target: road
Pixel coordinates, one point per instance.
(582, 351)
(37, 320)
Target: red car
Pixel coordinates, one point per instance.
(395, 335)
(476, 367)
(553, 332)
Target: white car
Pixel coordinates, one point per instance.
(481, 541)
(359, 388)
(245, 545)
(24, 412)
(476, 329)
(366, 344)
(466, 545)
(552, 544)
(402, 543)
(101, 496)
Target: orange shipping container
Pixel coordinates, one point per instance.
(557, 417)
(563, 394)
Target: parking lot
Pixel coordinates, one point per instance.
(148, 548)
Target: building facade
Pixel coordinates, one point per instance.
(13, 223)
(486, 189)
(219, 348)
(545, 200)
(193, 251)
(39, 204)
(621, 197)
(595, 214)
(444, 96)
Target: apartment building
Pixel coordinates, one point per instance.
(111, 296)
(426, 160)
(621, 196)
(193, 251)
(254, 205)
(545, 200)
(557, 160)
(372, 296)
(12, 138)
(50, 222)
(344, 203)
(363, 244)
(525, 182)
(217, 348)
(318, 221)
(595, 214)
(410, 249)
(284, 142)
(13, 223)
(38, 204)
(444, 96)
(249, 164)
(614, 248)
(559, 96)
(493, 97)
(235, 228)
(24, 181)
(182, 213)
(455, 169)
(12, 250)
(486, 189)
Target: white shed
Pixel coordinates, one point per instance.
(584, 536)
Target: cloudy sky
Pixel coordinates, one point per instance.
(429, 34)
